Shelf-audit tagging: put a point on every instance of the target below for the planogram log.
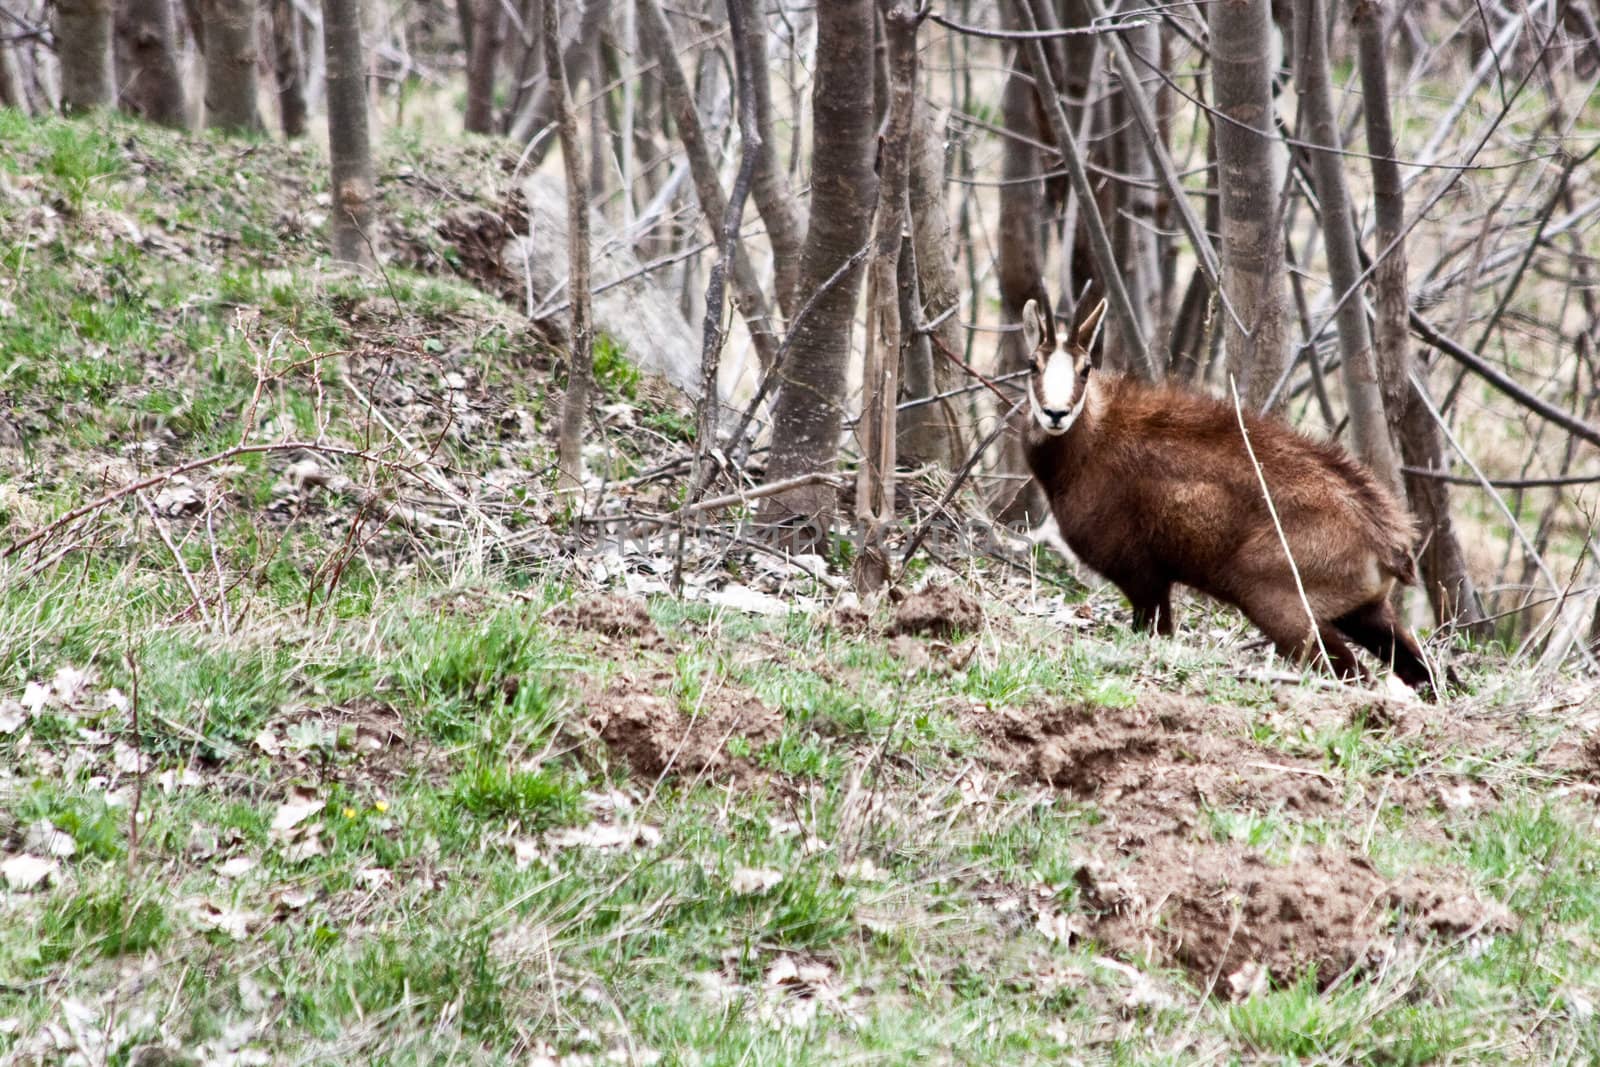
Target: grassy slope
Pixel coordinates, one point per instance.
(483, 861)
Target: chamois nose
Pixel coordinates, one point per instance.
(1053, 415)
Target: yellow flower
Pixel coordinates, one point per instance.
(349, 813)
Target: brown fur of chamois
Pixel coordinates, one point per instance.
(1152, 486)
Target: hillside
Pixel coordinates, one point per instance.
(352, 742)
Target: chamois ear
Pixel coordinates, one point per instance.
(1090, 321)
(1032, 327)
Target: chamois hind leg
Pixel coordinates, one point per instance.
(1152, 608)
(1283, 620)
(1375, 627)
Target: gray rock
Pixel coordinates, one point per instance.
(639, 314)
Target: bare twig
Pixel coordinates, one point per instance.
(1266, 495)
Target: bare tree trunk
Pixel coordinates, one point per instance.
(1020, 270)
(745, 66)
(1131, 333)
(809, 409)
(1451, 591)
(580, 361)
(1363, 398)
(12, 92)
(875, 477)
(780, 210)
(354, 184)
(1252, 236)
(538, 109)
(152, 85)
(231, 52)
(83, 45)
(488, 34)
(1135, 198)
(747, 295)
(930, 433)
(290, 68)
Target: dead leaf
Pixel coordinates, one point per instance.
(12, 716)
(742, 598)
(300, 806)
(374, 877)
(43, 836)
(237, 867)
(25, 872)
(604, 836)
(268, 742)
(295, 899)
(212, 916)
(748, 880)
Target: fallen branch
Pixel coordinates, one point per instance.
(112, 497)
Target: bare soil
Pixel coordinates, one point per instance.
(936, 611)
(1234, 920)
(1158, 763)
(1155, 881)
(617, 617)
(655, 738)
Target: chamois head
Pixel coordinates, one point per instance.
(1059, 384)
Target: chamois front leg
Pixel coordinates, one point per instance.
(1152, 608)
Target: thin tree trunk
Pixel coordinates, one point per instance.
(83, 45)
(1135, 198)
(931, 433)
(599, 135)
(1020, 271)
(747, 294)
(1126, 319)
(354, 183)
(1363, 398)
(875, 477)
(152, 85)
(538, 109)
(809, 409)
(290, 67)
(1451, 591)
(12, 92)
(231, 51)
(775, 200)
(1252, 236)
(488, 34)
(710, 414)
(580, 361)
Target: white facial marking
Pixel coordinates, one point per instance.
(1054, 407)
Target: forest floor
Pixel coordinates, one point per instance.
(359, 751)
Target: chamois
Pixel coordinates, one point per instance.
(1153, 486)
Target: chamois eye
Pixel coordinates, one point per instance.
(1083, 375)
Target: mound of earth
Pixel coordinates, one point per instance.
(1234, 920)
(936, 611)
(1155, 765)
(1156, 882)
(655, 738)
(610, 616)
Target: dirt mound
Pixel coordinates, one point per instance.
(1156, 763)
(936, 611)
(1449, 908)
(1236, 921)
(654, 737)
(610, 616)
